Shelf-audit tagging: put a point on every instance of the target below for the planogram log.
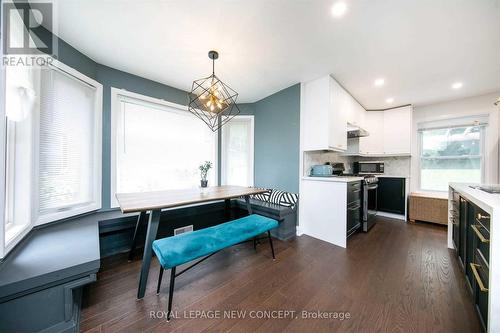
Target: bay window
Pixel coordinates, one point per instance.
(454, 153)
(157, 145)
(237, 151)
(52, 160)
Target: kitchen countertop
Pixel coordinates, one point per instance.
(484, 200)
(339, 179)
(391, 176)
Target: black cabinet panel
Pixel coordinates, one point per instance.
(391, 195)
(473, 252)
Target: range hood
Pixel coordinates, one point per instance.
(354, 131)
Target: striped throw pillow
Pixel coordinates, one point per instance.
(262, 196)
(284, 198)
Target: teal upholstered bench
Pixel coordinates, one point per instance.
(183, 248)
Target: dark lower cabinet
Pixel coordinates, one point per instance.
(471, 237)
(391, 195)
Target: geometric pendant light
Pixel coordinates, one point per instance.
(212, 100)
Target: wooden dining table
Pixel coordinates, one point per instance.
(154, 202)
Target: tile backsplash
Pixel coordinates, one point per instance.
(394, 166)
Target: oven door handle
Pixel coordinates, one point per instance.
(372, 187)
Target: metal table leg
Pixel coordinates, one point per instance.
(227, 209)
(154, 220)
(140, 221)
(249, 207)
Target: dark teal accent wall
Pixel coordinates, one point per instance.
(277, 125)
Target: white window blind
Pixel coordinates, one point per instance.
(237, 151)
(67, 135)
(158, 146)
(53, 147)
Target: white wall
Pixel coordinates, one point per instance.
(479, 105)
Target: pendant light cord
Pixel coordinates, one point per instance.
(213, 66)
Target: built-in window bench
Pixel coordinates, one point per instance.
(286, 216)
(41, 280)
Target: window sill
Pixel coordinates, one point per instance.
(12, 231)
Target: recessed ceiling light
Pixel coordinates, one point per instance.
(379, 82)
(389, 100)
(457, 85)
(339, 9)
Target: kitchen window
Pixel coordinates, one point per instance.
(451, 154)
(52, 164)
(157, 145)
(237, 151)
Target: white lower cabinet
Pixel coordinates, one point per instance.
(322, 212)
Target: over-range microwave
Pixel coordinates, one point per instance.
(368, 168)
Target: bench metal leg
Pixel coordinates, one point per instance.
(159, 281)
(271, 243)
(154, 220)
(171, 292)
(140, 220)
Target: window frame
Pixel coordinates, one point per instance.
(115, 109)
(251, 174)
(481, 156)
(22, 230)
(96, 204)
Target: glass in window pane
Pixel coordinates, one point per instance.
(160, 148)
(435, 174)
(20, 112)
(460, 141)
(237, 143)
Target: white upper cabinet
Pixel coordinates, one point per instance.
(354, 111)
(374, 143)
(390, 132)
(323, 115)
(397, 131)
(327, 108)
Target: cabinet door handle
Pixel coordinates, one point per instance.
(480, 217)
(355, 207)
(477, 277)
(475, 227)
(356, 191)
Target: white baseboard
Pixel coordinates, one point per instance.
(392, 216)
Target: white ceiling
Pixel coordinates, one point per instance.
(420, 47)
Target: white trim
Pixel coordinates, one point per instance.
(3, 128)
(392, 216)
(251, 170)
(115, 105)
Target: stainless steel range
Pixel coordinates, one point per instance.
(370, 185)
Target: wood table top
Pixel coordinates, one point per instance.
(143, 201)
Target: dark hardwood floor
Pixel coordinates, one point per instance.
(397, 278)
